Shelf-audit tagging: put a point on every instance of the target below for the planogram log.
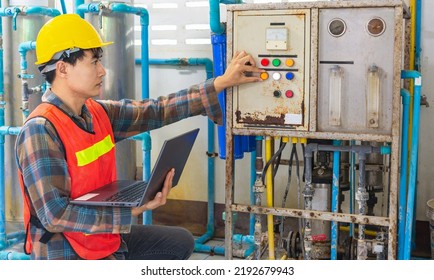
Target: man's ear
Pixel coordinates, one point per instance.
(61, 68)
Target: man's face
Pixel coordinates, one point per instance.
(86, 76)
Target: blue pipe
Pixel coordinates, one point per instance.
(24, 76)
(33, 10)
(3, 238)
(413, 160)
(405, 94)
(43, 11)
(252, 194)
(77, 3)
(13, 256)
(62, 3)
(144, 23)
(335, 201)
(23, 48)
(214, 17)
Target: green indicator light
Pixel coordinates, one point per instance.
(276, 62)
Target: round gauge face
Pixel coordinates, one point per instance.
(337, 27)
(376, 26)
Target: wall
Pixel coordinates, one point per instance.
(426, 159)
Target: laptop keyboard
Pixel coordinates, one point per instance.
(133, 193)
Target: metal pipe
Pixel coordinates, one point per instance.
(352, 184)
(361, 192)
(23, 48)
(411, 196)
(405, 94)
(362, 197)
(258, 190)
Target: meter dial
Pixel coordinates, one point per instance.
(337, 27)
(376, 26)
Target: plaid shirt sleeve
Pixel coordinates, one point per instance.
(130, 117)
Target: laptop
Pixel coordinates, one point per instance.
(133, 193)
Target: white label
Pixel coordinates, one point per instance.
(293, 119)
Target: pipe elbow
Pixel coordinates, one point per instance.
(124, 8)
(410, 74)
(26, 46)
(405, 94)
(310, 148)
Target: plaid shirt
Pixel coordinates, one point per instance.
(40, 156)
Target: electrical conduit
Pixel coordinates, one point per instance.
(269, 187)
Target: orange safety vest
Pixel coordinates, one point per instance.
(90, 157)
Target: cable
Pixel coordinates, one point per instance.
(272, 159)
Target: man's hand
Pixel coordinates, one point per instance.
(240, 70)
(160, 197)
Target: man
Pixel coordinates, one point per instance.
(66, 148)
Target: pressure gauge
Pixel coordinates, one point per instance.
(337, 27)
(376, 26)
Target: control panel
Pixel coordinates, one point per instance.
(279, 41)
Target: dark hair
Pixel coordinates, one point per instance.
(72, 59)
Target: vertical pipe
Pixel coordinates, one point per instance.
(335, 201)
(214, 17)
(258, 191)
(411, 67)
(352, 184)
(269, 186)
(413, 162)
(362, 197)
(77, 10)
(62, 4)
(308, 193)
(252, 193)
(2, 147)
(403, 178)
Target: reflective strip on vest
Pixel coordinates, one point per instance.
(92, 153)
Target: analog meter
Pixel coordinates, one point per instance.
(376, 26)
(276, 38)
(337, 27)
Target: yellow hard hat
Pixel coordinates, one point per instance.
(66, 31)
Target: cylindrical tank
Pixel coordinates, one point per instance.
(27, 28)
(119, 83)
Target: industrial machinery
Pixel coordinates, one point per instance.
(331, 87)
